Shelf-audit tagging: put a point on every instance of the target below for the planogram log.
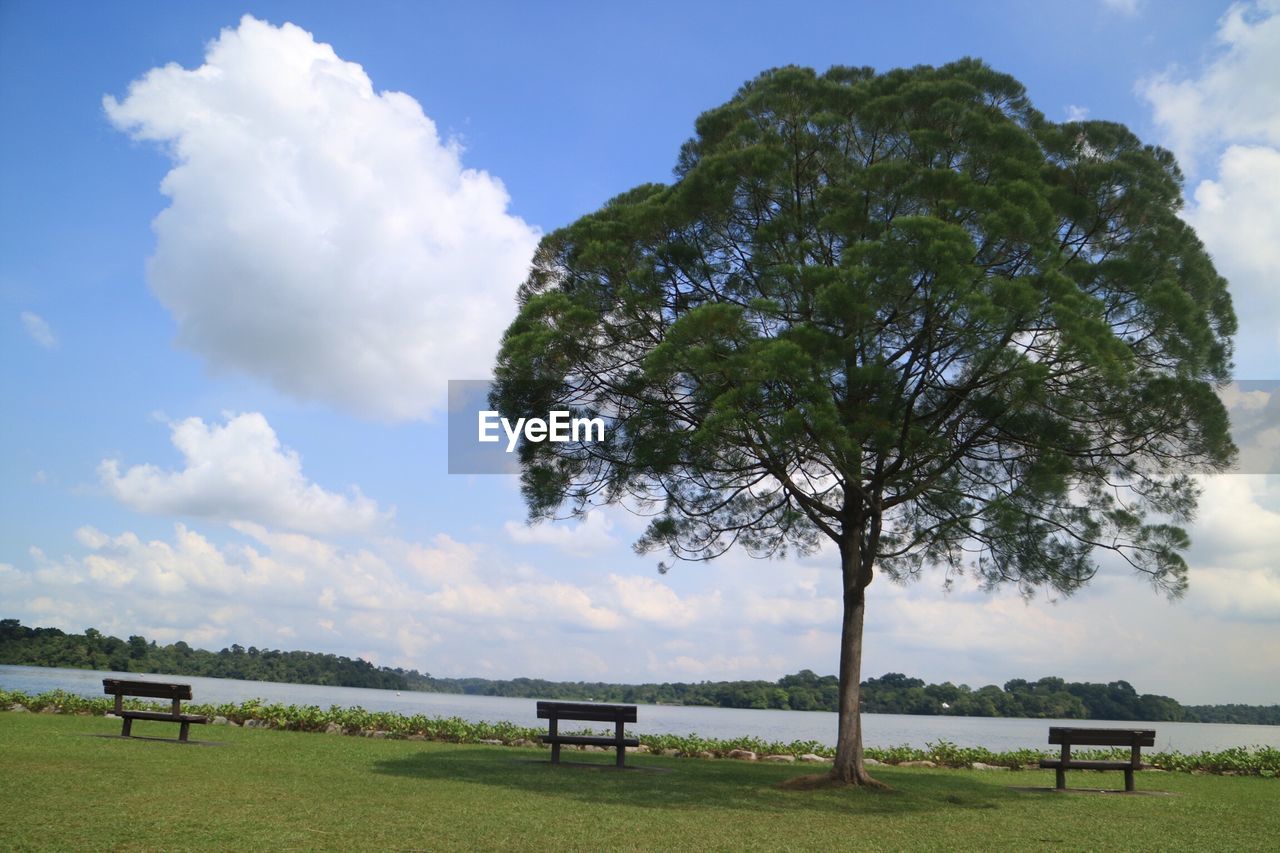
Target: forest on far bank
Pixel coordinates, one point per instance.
(893, 693)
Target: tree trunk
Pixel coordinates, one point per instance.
(849, 766)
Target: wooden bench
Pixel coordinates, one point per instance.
(619, 715)
(121, 688)
(1135, 739)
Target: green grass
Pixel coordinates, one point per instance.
(64, 788)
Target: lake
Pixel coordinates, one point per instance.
(881, 730)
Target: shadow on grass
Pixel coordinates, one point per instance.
(722, 784)
(153, 739)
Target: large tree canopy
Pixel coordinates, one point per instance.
(902, 312)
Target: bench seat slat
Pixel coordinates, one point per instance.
(593, 711)
(593, 718)
(148, 689)
(1102, 737)
(586, 740)
(164, 716)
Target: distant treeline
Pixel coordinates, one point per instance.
(93, 650)
(893, 693)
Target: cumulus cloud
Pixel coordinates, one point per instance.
(1238, 217)
(581, 539)
(39, 330)
(1234, 99)
(1254, 409)
(649, 600)
(1227, 115)
(372, 600)
(320, 234)
(238, 471)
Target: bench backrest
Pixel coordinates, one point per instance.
(1102, 737)
(593, 711)
(149, 689)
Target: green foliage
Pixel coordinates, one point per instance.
(900, 310)
(1255, 761)
(93, 650)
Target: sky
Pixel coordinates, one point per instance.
(244, 248)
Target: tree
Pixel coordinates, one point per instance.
(899, 313)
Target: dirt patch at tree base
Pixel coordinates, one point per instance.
(825, 781)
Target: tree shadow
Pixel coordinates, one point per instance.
(688, 783)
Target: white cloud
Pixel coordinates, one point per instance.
(649, 600)
(39, 330)
(238, 471)
(1228, 114)
(320, 235)
(1235, 99)
(1238, 217)
(1243, 594)
(581, 539)
(1077, 113)
(1128, 8)
(1235, 529)
(374, 600)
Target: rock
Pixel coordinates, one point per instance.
(219, 720)
(524, 741)
(818, 759)
(742, 754)
(18, 708)
(253, 724)
(670, 752)
(705, 754)
(871, 762)
(917, 764)
(781, 759)
(641, 748)
(416, 737)
(492, 741)
(587, 747)
(333, 729)
(978, 765)
(49, 709)
(379, 734)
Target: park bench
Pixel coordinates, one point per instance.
(554, 712)
(121, 688)
(1067, 737)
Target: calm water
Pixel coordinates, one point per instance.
(786, 726)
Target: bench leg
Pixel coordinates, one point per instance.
(553, 726)
(127, 729)
(622, 749)
(182, 734)
(1062, 779)
(1128, 779)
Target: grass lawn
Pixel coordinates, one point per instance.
(65, 788)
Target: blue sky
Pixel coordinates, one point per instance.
(236, 270)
